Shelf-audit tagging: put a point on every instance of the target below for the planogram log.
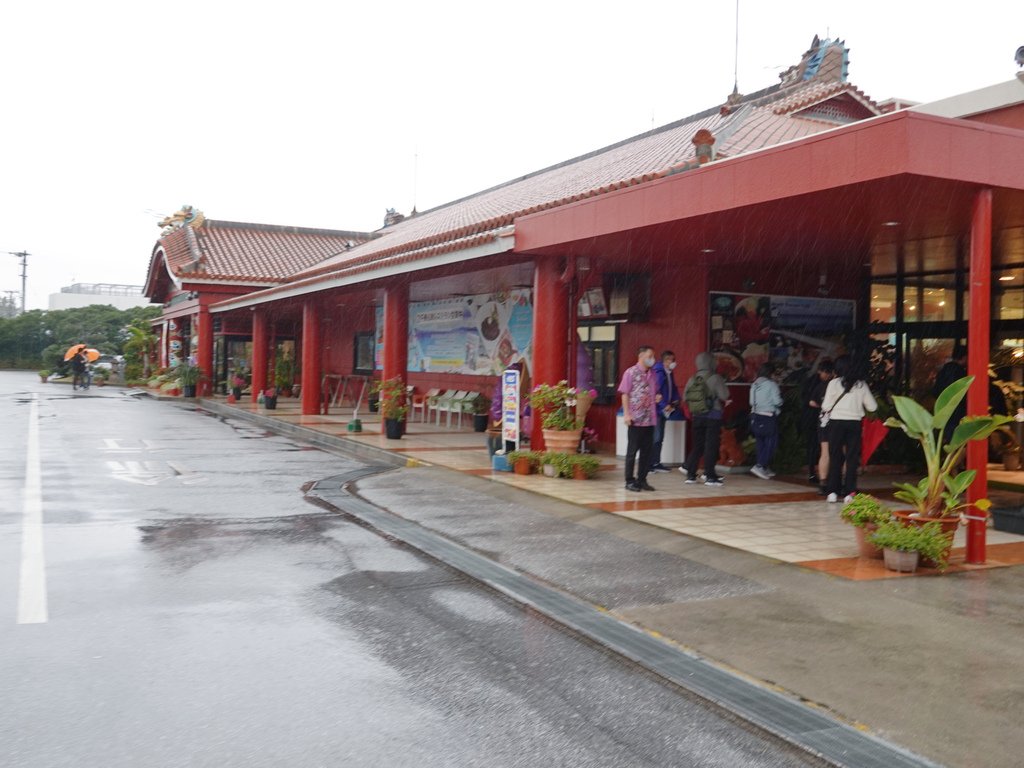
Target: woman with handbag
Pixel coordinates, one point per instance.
(847, 400)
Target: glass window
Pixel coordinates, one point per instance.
(601, 345)
(883, 302)
(924, 359)
(1008, 294)
(883, 259)
(929, 299)
(931, 255)
(1009, 246)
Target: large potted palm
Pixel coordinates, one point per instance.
(188, 377)
(939, 495)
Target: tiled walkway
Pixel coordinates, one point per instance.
(782, 519)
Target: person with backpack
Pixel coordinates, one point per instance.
(667, 405)
(765, 407)
(706, 396)
(639, 390)
(847, 400)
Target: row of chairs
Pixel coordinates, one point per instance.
(435, 402)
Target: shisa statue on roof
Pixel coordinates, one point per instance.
(186, 217)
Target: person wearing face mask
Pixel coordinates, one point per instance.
(639, 390)
(667, 405)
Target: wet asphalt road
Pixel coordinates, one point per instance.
(200, 612)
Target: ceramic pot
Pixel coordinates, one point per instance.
(480, 422)
(270, 403)
(865, 547)
(393, 429)
(902, 562)
(550, 470)
(523, 467)
(189, 390)
(562, 441)
(947, 524)
(578, 473)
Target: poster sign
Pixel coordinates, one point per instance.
(510, 406)
(478, 335)
(792, 332)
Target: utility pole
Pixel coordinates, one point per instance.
(23, 255)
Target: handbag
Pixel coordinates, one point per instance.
(826, 415)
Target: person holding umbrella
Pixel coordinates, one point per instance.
(76, 355)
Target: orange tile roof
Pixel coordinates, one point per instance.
(243, 253)
(756, 122)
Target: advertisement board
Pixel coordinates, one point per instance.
(510, 406)
(482, 334)
(791, 332)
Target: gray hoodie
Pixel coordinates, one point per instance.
(705, 367)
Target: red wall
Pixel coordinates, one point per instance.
(1008, 117)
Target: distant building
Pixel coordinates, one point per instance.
(87, 294)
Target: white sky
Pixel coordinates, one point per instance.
(310, 114)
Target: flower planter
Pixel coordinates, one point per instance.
(523, 467)
(901, 562)
(948, 525)
(562, 441)
(550, 470)
(578, 473)
(237, 392)
(480, 422)
(393, 429)
(865, 548)
(189, 390)
(270, 403)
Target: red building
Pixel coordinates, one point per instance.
(807, 195)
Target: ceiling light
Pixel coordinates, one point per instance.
(1018, 353)
(942, 303)
(913, 306)
(1007, 278)
(707, 250)
(890, 223)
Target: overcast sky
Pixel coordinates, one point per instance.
(311, 114)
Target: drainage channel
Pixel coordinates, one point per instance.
(809, 729)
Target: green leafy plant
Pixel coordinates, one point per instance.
(927, 539)
(532, 456)
(481, 405)
(865, 509)
(940, 492)
(588, 465)
(189, 375)
(558, 404)
(391, 394)
(562, 462)
(284, 372)
(44, 374)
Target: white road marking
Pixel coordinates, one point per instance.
(32, 588)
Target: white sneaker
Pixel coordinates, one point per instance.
(848, 499)
(758, 471)
(770, 472)
(832, 498)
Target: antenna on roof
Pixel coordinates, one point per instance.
(736, 54)
(415, 177)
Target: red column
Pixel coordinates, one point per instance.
(396, 331)
(311, 358)
(259, 353)
(550, 332)
(978, 358)
(204, 355)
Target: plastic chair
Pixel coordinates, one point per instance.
(462, 405)
(446, 404)
(419, 403)
(434, 405)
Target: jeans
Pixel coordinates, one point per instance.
(638, 440)
(707, 435)
(659, 440)
(843, 446)
(766, 435)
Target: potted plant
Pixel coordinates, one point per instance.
(188, 377)
(44, 375)
(904, 546)
(865, 513)
(562, 410)
(523, 462)
(284, 373)
(584, 467)
(551, 463)
(101, 376)
(270, 398)
(481, 412)
(393, 407)
(237, 385)
(939, 495)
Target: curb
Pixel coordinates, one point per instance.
(784, 717)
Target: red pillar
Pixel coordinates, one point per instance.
(311, 358)
(550, 332)
(978, 347)
(396, 331)
(260, 342)
(204, 355)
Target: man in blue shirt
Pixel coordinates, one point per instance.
(667, 405)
